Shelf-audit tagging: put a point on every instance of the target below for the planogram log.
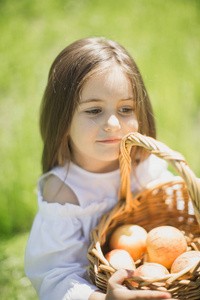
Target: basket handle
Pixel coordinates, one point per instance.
(161, 150)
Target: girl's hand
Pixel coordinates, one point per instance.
(116, 291)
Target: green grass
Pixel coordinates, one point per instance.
(14, 285)
(162, 36)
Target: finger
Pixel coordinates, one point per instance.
(119, 276)
(138, 294)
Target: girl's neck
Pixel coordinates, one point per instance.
(97, 167)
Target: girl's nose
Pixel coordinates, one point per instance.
(112, 123)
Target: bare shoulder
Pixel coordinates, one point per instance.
(56, 191)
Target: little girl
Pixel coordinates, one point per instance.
(94, 96)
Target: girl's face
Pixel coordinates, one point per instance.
(105, 114)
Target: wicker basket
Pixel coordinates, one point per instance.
(175, 203)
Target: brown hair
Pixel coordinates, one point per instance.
(67, 75)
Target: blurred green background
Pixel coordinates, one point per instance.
(163, 38)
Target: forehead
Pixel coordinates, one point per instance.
(111, 80)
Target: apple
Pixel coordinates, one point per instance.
(150, 270)
(165, 244)
(120, 259)
(131, 238)
(185, 260)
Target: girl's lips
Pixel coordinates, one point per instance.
(110, 141)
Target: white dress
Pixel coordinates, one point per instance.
(55, 257)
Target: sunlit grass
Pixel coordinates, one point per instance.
(13, 282)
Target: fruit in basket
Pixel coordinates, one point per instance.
(120, 259)
(164, 245)
(131, 238)
(185, 260)
(150, 270)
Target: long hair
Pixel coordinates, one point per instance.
(67, 76)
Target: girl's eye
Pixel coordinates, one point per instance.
(94, 111)
(126, 110)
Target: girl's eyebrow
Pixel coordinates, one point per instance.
(127, 99)
(91, 100)
(99, 100)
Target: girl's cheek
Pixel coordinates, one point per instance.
(133, 124)
(97, 121)
(93, 122)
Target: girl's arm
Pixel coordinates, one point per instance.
(151, 171)
(56, 250)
